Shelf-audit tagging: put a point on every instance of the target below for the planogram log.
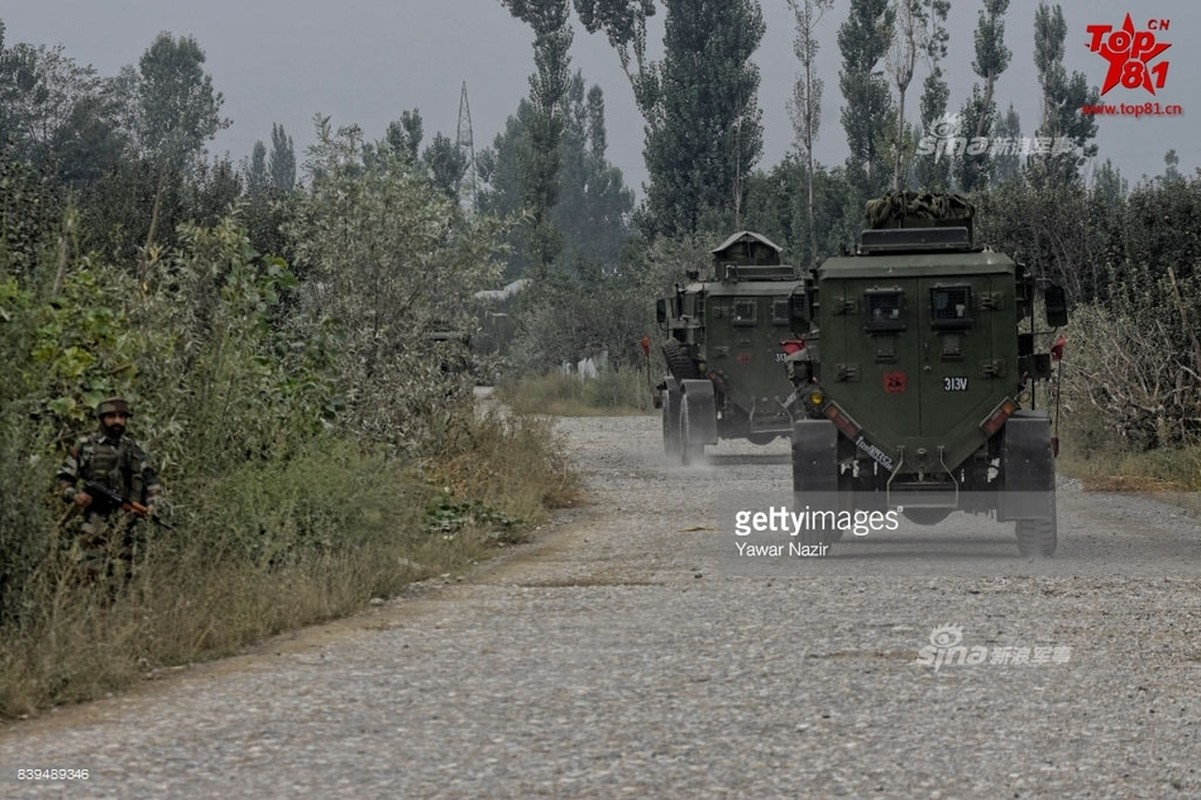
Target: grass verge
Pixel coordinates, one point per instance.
(611, 393)
(1175, 470)
(279, 547)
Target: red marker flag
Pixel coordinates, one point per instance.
(1057, 348)
(646, 344)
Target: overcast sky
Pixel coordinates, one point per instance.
(365, 61)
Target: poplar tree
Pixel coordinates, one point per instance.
(974, 169)
(806, 102)
(281, 166)
(175, 110)
(540, 160)
(1007, 128)
(909, 35)
(930, 173)
(704, 132)
(1063, 97)
(868, 111)
(256, 174)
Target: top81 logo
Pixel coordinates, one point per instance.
(1130, 53)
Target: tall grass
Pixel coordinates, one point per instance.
(612, 392)
(274, 547)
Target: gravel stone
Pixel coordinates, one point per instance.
(617, 656)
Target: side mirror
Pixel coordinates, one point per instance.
(1057, 306)
(661, 310)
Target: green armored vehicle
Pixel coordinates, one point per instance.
(724, 333)
(917, 389)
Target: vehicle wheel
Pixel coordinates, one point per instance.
(671, 424)
(1036, 537)
(679, 363)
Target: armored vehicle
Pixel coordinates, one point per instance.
(916, 391)
(724, 333)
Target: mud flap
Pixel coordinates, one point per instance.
(814, 456)
(698, 413)
(1028, 467)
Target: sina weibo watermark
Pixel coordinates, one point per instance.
(1136, 63)
(946, 649)
(946, 136)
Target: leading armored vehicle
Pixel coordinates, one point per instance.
(917, 388)
(724, 333)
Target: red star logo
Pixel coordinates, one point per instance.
(1141, 48)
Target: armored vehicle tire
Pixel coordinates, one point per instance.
(926, 516)
(679, 363)
(1036, 537)
(671, 423)
(689, 453)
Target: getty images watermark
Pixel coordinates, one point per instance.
(945, 137)
(946, 650)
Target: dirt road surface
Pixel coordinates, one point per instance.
(626, 654)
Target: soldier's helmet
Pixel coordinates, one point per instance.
(113, 405)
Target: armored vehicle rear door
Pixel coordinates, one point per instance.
(960, 371)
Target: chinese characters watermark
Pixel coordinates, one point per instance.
(945, 137)
(946, 650)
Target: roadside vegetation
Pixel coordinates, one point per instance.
(280, 343)
(610, 393)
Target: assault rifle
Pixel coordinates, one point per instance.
(111, 499)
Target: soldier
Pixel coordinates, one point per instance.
(108, 536)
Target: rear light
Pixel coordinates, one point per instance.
(993, 422)
(791, 346)
(842, 421)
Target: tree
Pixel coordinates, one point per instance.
(594, 203)
(934, 173)
(404, 134)
(806, 102)
(1070, 132)
(551, 24)
(446, 163)
(392, 262)
(1171, 163)
(1007, 129)
(624, 23)
(909, 34)
(864, 40)
(704, 132)
(282, 165)
(256, 173)
(597, 138)
(974, 166)
(175, 110)
(58, 114)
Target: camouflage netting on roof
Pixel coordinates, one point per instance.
(903, 209)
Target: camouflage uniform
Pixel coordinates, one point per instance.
(106, 538)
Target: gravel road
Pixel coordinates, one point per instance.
(623, 655)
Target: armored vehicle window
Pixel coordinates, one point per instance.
(885, 310)
(951, 306)
(744, 312)
(781, 312)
